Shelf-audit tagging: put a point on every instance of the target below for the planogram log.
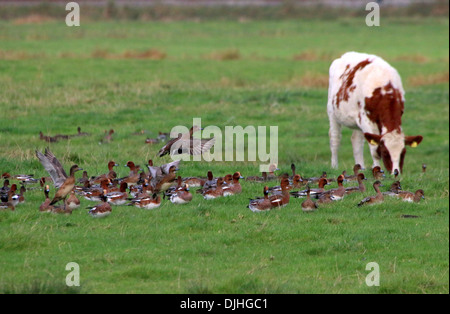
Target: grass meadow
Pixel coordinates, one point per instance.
(132, 76)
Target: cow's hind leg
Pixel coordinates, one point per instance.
(335, 141)
(358, 147)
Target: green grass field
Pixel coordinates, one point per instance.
(133, 76)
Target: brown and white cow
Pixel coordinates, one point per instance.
(366, 95)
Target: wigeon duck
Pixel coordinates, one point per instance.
(72, 202)
(48, 139)
(21, 194)
(149, 140)
(134, 176)
(173, 188)
(424, 168)
(111, 175)
(298, 182)
(411, 197)
(149, 202)
(161, 184)
(293, 171)
(83, 178)
(261, 178)
(162, 136)
(101, 210)
(308, 205)
(378, 198)
(118, 197)
(140, 191)
(271, 175)
(185, 143)
(141, 132)
(396, 173)
(378, 173)
(45, 206)
(67, 186)
(317, 179)
(4, 191)
(216, 192)
(23, 178)
(12, 196)
(79, 133)
(258, 205)
(62, 136)
(233, 187)
(194, 181)
(337, 193)
(354, 177)
(227, 181)
(181, 195)
(94, 193)
(395, 188)
(53, 167)
(281, 200)
(107, 138)
(322, 182)
(360, 188)
(210, 183)
(13, 200)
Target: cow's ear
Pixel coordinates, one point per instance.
(413, 141)
(373, 139)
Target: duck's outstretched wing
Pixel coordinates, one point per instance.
(199, 146)
(53, 167)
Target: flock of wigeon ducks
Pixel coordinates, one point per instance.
(146, 190)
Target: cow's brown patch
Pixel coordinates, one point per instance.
(347, 77)
(385, 108)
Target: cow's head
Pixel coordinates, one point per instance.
(391, 147)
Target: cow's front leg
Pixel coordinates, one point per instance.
(358, 147)
(335, 141)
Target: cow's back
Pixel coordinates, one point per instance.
(353, 79)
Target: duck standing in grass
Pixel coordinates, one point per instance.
(62, 182)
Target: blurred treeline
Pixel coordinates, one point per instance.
(287, 9)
